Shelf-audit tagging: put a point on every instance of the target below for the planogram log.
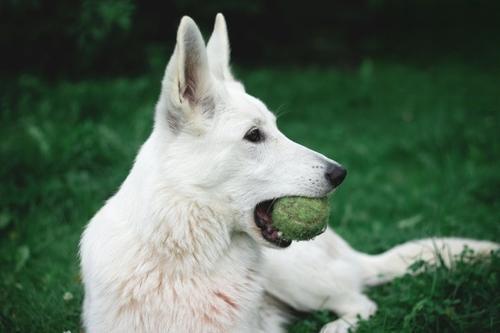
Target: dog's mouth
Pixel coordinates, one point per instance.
(264, 220)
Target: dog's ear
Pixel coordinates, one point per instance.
(218, 50)
(187, 84)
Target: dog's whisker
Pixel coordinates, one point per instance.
(280, 112)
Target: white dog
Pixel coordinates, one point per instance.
(187, 244)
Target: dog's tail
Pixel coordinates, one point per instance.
(381, 268)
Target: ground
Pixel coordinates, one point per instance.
(421, 145)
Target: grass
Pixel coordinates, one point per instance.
(422, 147)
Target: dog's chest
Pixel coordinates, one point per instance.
(221, 303)
(225, 298)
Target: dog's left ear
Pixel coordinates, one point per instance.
(187, 87)
(218, 50)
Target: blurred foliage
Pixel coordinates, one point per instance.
(61, 38)
(99, 20)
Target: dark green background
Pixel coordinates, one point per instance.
(92, 37)
(405, 94)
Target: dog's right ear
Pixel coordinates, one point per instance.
(186, 86)
(218, 50)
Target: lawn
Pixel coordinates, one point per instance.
(421, 144)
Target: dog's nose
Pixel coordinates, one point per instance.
(335, 174)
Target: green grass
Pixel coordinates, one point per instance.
(422, 147)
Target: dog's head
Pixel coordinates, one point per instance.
(223, 143)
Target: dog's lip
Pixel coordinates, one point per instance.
(263, 220)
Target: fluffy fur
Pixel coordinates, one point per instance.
(176, 249)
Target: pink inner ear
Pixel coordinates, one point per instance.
(189, 92)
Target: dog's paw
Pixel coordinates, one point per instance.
(337, 326)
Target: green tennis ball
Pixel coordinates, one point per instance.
(300, 218)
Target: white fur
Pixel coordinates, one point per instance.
(176, 249)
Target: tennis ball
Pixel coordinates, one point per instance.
(300, 218)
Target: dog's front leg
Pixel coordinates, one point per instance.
(351, 308)
(322, 274)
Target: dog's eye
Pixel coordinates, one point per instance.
(254, 135)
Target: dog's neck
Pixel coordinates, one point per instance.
(192, 234)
